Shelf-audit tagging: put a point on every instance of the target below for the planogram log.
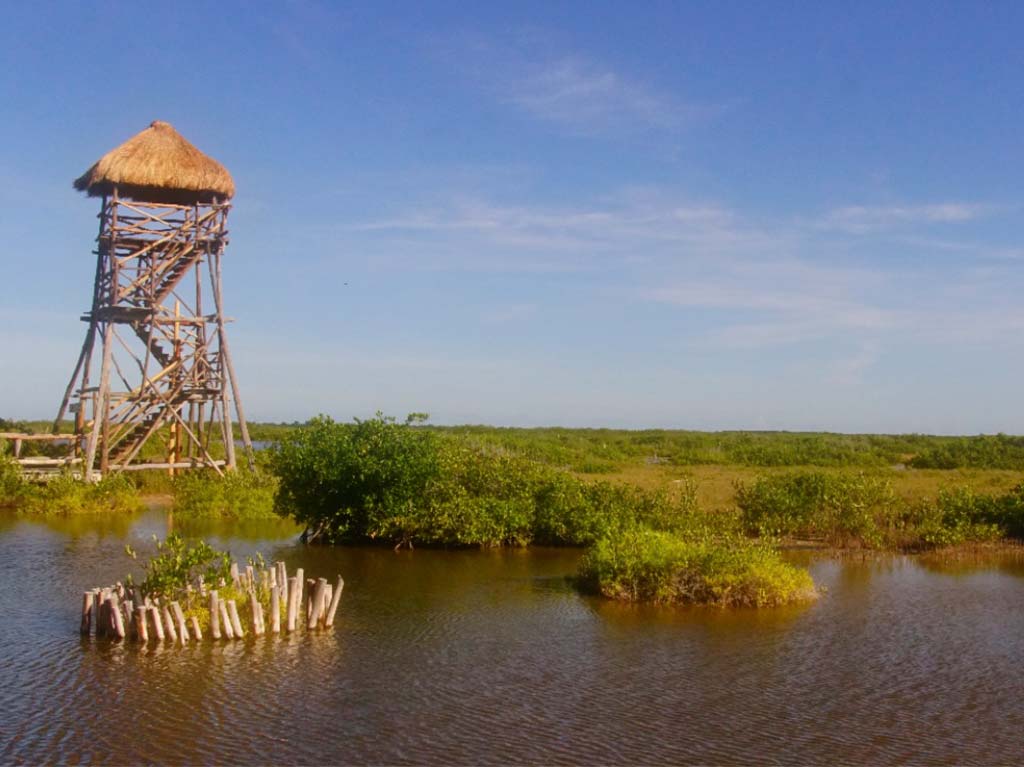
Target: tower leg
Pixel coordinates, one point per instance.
(100, 414)
(229, 368)
(86, 352)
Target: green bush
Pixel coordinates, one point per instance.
(239, 494)
(13, 487)
(332, 475)
(643, 565)
(863, 510)
(398, 483)
(67, 494)
(177, 564)
(958, 516)
(986, 451)
(841, 509)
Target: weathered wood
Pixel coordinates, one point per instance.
(97, 603)
(236, 622)
(335, 599)
(234, 573)
(197, 633)
(282, 581)
(317, 602)
(118, 619)
(129, 615)
(226, 355)
(293, 599)
(141, 628)
(158, 624)
(164, 465)
(254, 608)
(249, 579)
(87, 611)
(275, 609)
(297, 585)
(310, 593)
(225, 620)
(142, 261)
(179, 617)
(104, 619)
(214, 615)
(169, 629)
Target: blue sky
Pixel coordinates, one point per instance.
(707, 215)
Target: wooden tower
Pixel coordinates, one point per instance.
(155, 370)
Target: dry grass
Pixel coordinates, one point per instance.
(716, 485)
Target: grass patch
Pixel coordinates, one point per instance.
(643, 565)
(239, 494)
(67, 494)
(863, 510)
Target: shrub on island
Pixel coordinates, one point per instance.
(644, 565)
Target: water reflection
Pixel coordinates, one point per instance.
(470, 657)
(252, 530)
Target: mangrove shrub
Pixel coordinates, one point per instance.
(239, 494)
(396, 482)
(644, 565)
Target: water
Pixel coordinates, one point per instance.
(490, 657)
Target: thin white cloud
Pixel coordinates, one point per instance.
(537, 76)
(584, 96)
(862, 219)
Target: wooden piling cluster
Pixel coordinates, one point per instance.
(122, 612)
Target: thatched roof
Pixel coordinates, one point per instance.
(158, 165)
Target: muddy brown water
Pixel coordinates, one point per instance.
(475, 657)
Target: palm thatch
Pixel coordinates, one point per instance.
(158, 165)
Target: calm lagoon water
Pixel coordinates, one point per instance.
(475, 657)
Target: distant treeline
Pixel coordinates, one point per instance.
(600, 451)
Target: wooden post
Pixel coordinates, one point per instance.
(174, 443)
(254, 608)
(103, 613)
(293, 599)
(236, 622)
(179, 616)
(275, 609)
(141, 629)
(250, 581)
(102, 619)
(310, 593)
(87, 610)
(169, 629)
(196, 632)
(115, 606)
(282, 581)
(234, 573)
(317, 602)
(335, 599)
(299, 583)
(214, 615)
(158, 625)
(225, 353)
(129, 614)
(225, 619)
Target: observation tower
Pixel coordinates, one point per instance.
(154, 387)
